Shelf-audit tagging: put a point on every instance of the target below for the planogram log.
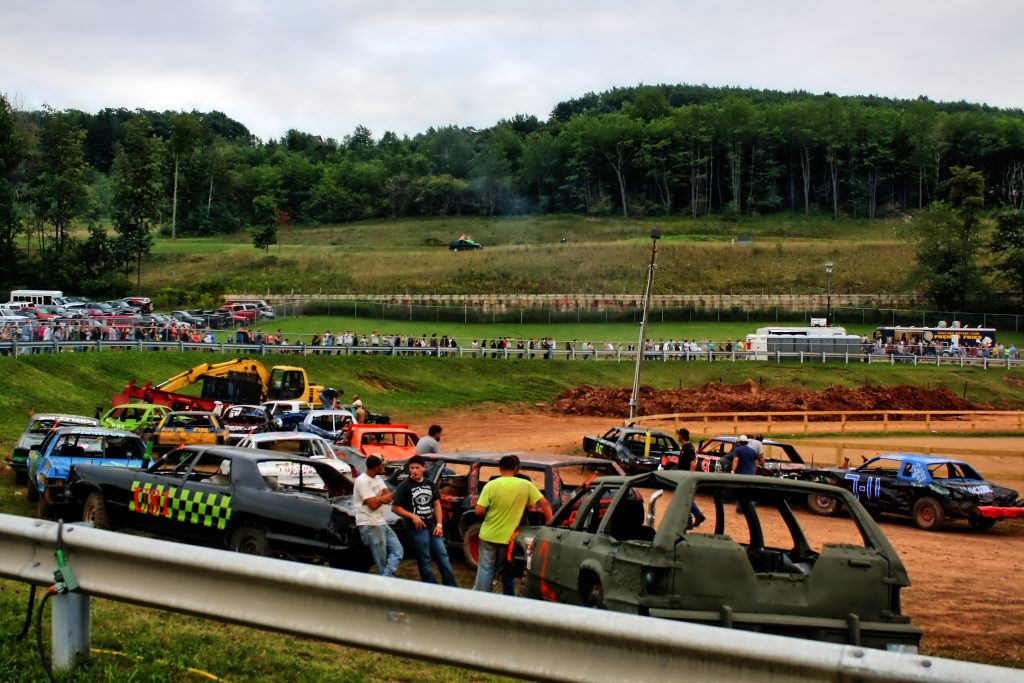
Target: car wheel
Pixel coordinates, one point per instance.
(31, 492)
(471, 544)
(823, 504)
(250, 541)
(981, 523)
(593, 595)
(928, 514)
(95, 511)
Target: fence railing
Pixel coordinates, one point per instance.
(790, 421)
(19, 348)
(507, 635)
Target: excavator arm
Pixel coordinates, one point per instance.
(238, 365)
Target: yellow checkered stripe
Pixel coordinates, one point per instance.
(192, 507)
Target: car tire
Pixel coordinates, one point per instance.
(823, 504)
(928, 514)
(593, 595)
(981, 523)
(31, 492)
(250, 540)
(95, 511)
(471, 544)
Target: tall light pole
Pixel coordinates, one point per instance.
(828, 296)
(634, 397)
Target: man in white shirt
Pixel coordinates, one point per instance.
(372, 497)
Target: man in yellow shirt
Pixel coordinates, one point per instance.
(502, 504)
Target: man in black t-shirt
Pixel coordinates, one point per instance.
(418, 502)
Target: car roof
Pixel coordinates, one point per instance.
(679, 477)
(95, 431)
(732, 439)
(281, 436)
(641, 430)
(250, 454)
(330, 412)
(62, 416)
(524, 458)
(189, 412)
(139, 405)
(916, 457)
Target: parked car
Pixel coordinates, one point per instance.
(780, 459)
(65, 447)
(629, 544)
(39, 425)
(243, 420)
(188, 427)
(461, 477)
(141, 418)
(329, 424)
(190, 318)
(930, 489)
(390, 442)
(304, 444)
(250, 501)
(636, 449)
(141, 302)
(464, 244)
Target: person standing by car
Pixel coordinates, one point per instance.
(371, 496)
(330, 396)
(360, 411)
(744, 458)
(431, 443)
(418, 501)
(502, 504)
(687, 461)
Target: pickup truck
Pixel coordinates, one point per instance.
(636, 449)
(390, 442)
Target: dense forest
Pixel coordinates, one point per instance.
(678, 150)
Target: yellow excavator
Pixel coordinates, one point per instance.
(242, 380)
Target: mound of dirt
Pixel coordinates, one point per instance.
(752, 397)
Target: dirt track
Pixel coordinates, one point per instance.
(966, 592)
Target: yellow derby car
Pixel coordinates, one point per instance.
(188, 428)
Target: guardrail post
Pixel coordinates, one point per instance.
(885, 421)
(806, 421)
(70, 630)
(842, 428)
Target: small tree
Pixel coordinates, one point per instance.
(266, 217)
(948, 241)
(138, 193)
(1008, 246)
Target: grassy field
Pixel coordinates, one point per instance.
(154, 646)
(526, 255)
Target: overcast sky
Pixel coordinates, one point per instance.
(325, 66)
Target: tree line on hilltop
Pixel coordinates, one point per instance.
(679, 150)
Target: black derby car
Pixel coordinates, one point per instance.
(930, 489)
(256, 502)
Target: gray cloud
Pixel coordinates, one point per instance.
(326, 66)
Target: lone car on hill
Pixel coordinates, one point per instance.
(780, 459)
(39, 425)
(66, 447)
(460, 478)
(628, 544)
(636, 449)
(250, 501)
(930, 489)
(464, 244)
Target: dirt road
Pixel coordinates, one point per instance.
(966, 592)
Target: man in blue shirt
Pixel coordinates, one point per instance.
(744, 458)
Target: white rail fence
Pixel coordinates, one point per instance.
(18, 349)
(488, 632)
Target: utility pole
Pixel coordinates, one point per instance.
(828, 295)
(634, 397)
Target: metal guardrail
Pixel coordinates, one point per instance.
(19, 348)
(482, 631)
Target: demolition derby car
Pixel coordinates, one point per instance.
(746, 560)
(251, 501)
(635, 449)
(930, 489)
(39, 425)
(780, 459)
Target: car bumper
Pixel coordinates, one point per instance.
(998, 512)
